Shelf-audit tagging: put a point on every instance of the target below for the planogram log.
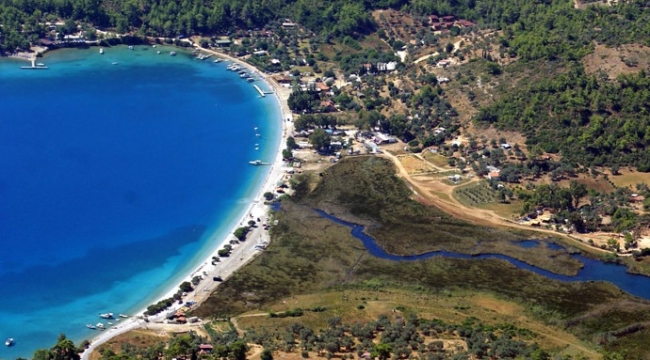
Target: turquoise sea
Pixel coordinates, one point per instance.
(119, 172)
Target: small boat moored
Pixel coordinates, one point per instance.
(172, 53)
(124, 316)
(101, 51)
(100, 326)
(91, 326)
(9, 342)
(106, 315)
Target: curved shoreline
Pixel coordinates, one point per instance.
(242, 253)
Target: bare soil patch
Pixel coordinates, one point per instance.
(624, 59)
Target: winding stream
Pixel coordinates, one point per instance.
(593, 270)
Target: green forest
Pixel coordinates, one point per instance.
(534, 28)
(589, 121)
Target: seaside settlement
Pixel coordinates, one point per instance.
(434, 94)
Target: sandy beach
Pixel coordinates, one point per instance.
(242, 253)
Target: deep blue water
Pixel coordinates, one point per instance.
(116, 179)
(593, 270)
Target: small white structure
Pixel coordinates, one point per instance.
(372, 147)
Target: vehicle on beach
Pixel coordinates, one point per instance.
(217, 278)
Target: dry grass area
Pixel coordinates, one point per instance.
(613, 60)
(450, 307)
(512, 137)
(140, 338)
(398, 24)
(437, 160)
(598, 183)
(413, 164)
(629, 178)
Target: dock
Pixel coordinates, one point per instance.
(262, 93)
(34, 66)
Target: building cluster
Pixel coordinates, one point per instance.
(444, 23)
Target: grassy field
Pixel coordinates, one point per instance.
(505, 210)
(313, 260)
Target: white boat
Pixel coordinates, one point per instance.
(91, 326)
(172, 53)
(154, 46)
(130, 47)
(256, 162)
(250, 79)
(158, 52)
(101, 51)
(100, 326)
(124, 316)
(114, 63)
(106, 315)
(9, 342)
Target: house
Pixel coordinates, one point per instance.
(464, 23)
(455, 178)
(223, 42)
(288, 24)
(322, 87)
(327, 106)
(275, 61)
(205, 349)
(505, 146)
(636, 198)
(390, 66)
(259, 53)
(437, 27)
(448, 18)
(493, 175)
(442, 63)
(442, 79)
(433, 19)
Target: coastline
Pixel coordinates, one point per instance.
(242, 253)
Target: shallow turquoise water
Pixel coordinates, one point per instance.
(119, 171)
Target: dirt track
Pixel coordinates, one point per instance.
(457, 209)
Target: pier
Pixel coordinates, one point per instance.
(262, 93)
(34, 66)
